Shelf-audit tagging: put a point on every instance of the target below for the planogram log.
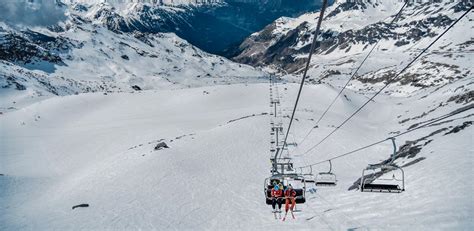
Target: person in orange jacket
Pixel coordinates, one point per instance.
(290, 200)
(277, 197)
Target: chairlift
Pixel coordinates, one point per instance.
(300, 174)
(281, 165)
(285, 179)
(308, 177)
(326, 178)
(374, 183)
(284, 150)
(277, 128)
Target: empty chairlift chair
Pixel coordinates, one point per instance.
(308, 177)
(374, 181)
(326, 178)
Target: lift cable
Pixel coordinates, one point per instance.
(445, 116)
(389, 81)
(352, 77)
(313, 46)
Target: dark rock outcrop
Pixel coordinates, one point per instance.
(80, 206)
(161, 145)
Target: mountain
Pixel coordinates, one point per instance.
(351, 28)
(80, 56)
(214, 26)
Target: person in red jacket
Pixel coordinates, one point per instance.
(277, 197)
(290, 201)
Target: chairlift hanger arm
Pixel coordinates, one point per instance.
(394, 148)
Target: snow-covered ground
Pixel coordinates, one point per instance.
(99, 149)
(83, 128)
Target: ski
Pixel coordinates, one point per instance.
(292, 215)
(275, 212)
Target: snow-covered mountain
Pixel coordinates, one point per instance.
(349, 31)
(79, 56)
(127, 4)
(84, 109)
(214, 26)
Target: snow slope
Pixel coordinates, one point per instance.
(99, 149)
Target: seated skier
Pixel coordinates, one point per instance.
(290, 200)
(277, 197)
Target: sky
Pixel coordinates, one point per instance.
(31, 12)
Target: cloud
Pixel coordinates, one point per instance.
(32, 12)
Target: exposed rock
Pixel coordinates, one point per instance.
(413, 162)
(161, 145)
(464, 98)
(460, 127)
(136, 88)
(80, 206)
(21, 50)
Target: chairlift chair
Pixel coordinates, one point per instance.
(282, 165)
(374, 183)
(274, 101)
(326, 178)
(309, 177)
(285, 179)
(277, 128)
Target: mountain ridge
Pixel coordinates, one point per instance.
(343, 44)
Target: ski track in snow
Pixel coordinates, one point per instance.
(79, 151)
